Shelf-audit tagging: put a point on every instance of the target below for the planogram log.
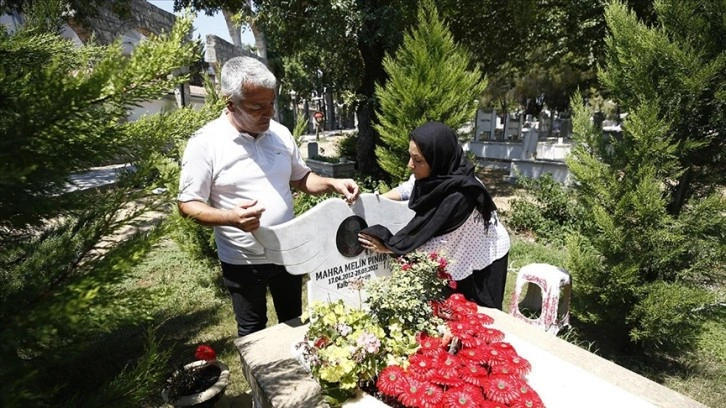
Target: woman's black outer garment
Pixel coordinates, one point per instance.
(444, 200)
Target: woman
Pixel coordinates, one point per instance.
(454, 215)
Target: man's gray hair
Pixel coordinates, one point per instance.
(240, 71)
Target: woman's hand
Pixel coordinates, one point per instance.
(373, 243)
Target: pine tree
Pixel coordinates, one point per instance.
(642, 270)
(63, 110)
(429, 80)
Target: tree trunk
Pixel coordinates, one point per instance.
(235, 30)
(681, 194)
(260, 42)
(373, 72)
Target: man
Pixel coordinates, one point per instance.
(236, 175)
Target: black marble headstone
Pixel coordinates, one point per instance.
(346, 239)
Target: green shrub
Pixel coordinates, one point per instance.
(63, 256)
(194, 239)
(550, 211)
(347, 146)
(301, 127)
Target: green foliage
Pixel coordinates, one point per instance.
(667, 315)
(419, 278)
(346, 146)
(197, 240)
(429, 80)
(344, 346)
(301, 126)
(193, 238)
(61, 113)
(524, 252)
(125, 390)
(651, 248)
(303, 202)
(63, 255)
(678, 69)
(632, 258)
(550, 211)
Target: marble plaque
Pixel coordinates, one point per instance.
(323, 243)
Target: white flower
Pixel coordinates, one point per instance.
(369, 342)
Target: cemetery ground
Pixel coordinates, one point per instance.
(192, 308)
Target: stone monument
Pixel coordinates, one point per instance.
(323, 243)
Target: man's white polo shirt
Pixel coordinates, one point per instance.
(223, 167)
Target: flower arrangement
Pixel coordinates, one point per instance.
(345, 346)
(197, 382)
(418, 280)
(471, 367)
(414, 347)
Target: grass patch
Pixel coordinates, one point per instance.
(192, 307)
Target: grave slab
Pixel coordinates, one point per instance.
(564, 375)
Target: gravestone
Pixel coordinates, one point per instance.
(545, 123)
(486, 125)
(323, 243)
(313, 149)
(513, 127)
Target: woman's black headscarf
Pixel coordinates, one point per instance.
(444, 200)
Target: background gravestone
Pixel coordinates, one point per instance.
(323, 243)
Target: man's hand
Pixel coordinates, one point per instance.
(347, 187)
(246, 216)
(314, 184)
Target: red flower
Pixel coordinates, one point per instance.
(493, 355)
(432, 395)
(422, 367)
(474, 374)
(390, 381)
(528, 399)
(456, 298)
(520, 365)
(448, 364)
(459, 328)
(464, 308)
(452, 284)
(442, 264)
(206, 353)
(458, 397)
(428, 344)
(492, 404)
(491, 335)
(433, 256)
(472, 354)
(447, 379)
(504, 347)
(484, 318)
(321, 342)
(471, 342)
(412, 392)
(502, 389)
(405, 267)
(502, 367)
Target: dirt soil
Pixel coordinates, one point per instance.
(503, 191)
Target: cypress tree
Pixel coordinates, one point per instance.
(63, 110)
(430, 79)
(644, 260)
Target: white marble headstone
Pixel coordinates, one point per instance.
(323, 243)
